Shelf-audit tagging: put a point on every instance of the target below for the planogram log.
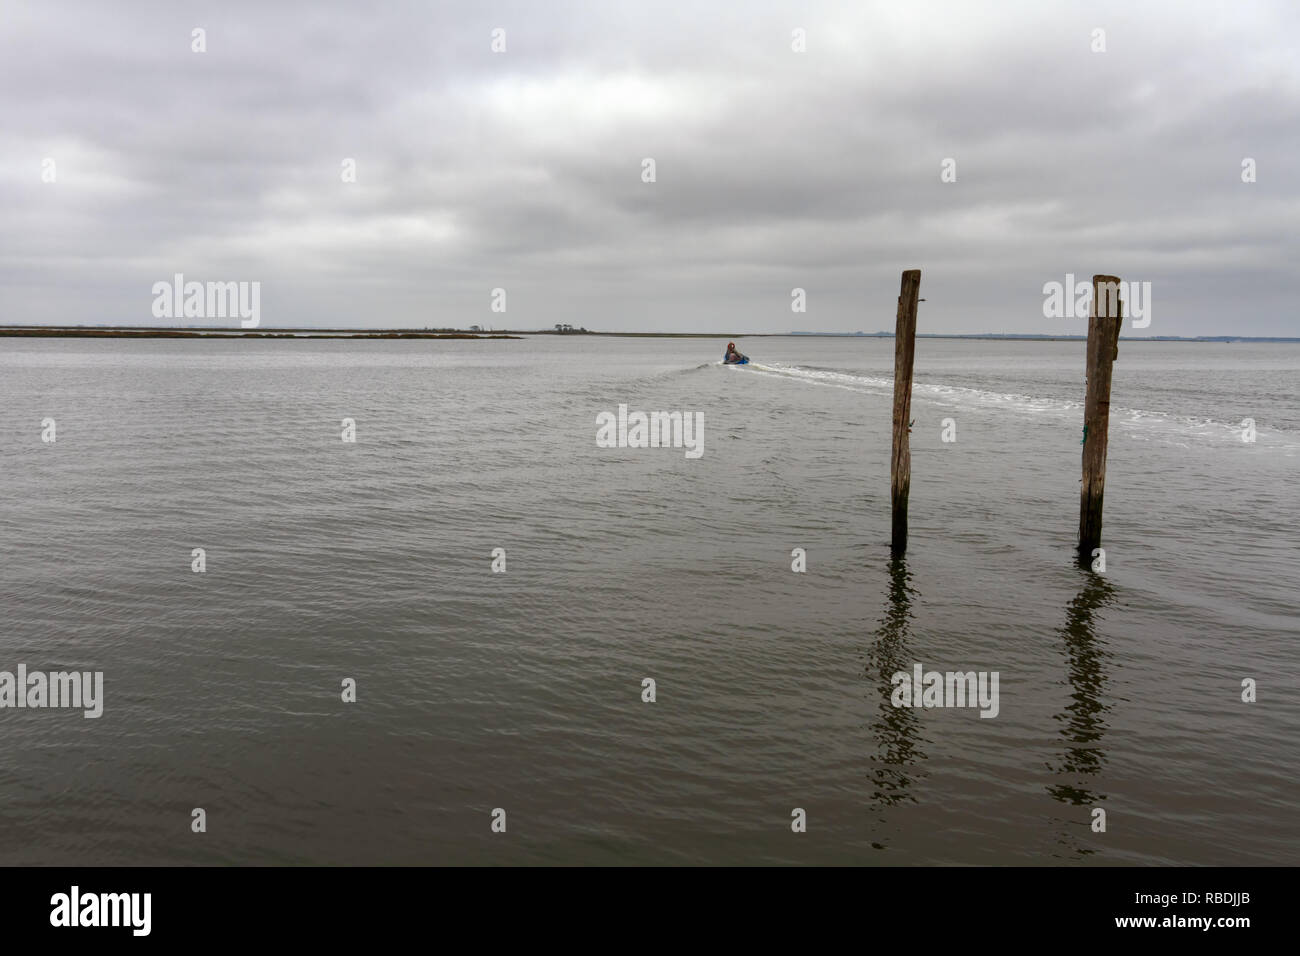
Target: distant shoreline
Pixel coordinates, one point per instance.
(133, 333)
(154, 332)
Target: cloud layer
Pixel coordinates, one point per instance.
(775, 169)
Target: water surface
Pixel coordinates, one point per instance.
(522, 690)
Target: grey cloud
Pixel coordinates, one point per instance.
(775, 169)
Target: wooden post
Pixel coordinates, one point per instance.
(900, 475)
(1103, 348)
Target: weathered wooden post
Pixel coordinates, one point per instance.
(1103, 348)
(900, 476)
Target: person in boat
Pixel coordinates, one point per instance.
(732, 357)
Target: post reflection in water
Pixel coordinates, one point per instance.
(1084, 718)
(896, 730)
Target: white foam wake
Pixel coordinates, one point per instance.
(1138, 423)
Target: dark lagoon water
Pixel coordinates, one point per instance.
(522, 690)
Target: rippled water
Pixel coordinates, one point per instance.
(522, 690)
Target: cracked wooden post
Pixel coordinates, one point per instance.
(1103, 348)
(900, 476)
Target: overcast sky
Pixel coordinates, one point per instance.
(775, 169)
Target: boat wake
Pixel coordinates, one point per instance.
(1138, 423)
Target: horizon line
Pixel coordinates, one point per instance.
(477, 331)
